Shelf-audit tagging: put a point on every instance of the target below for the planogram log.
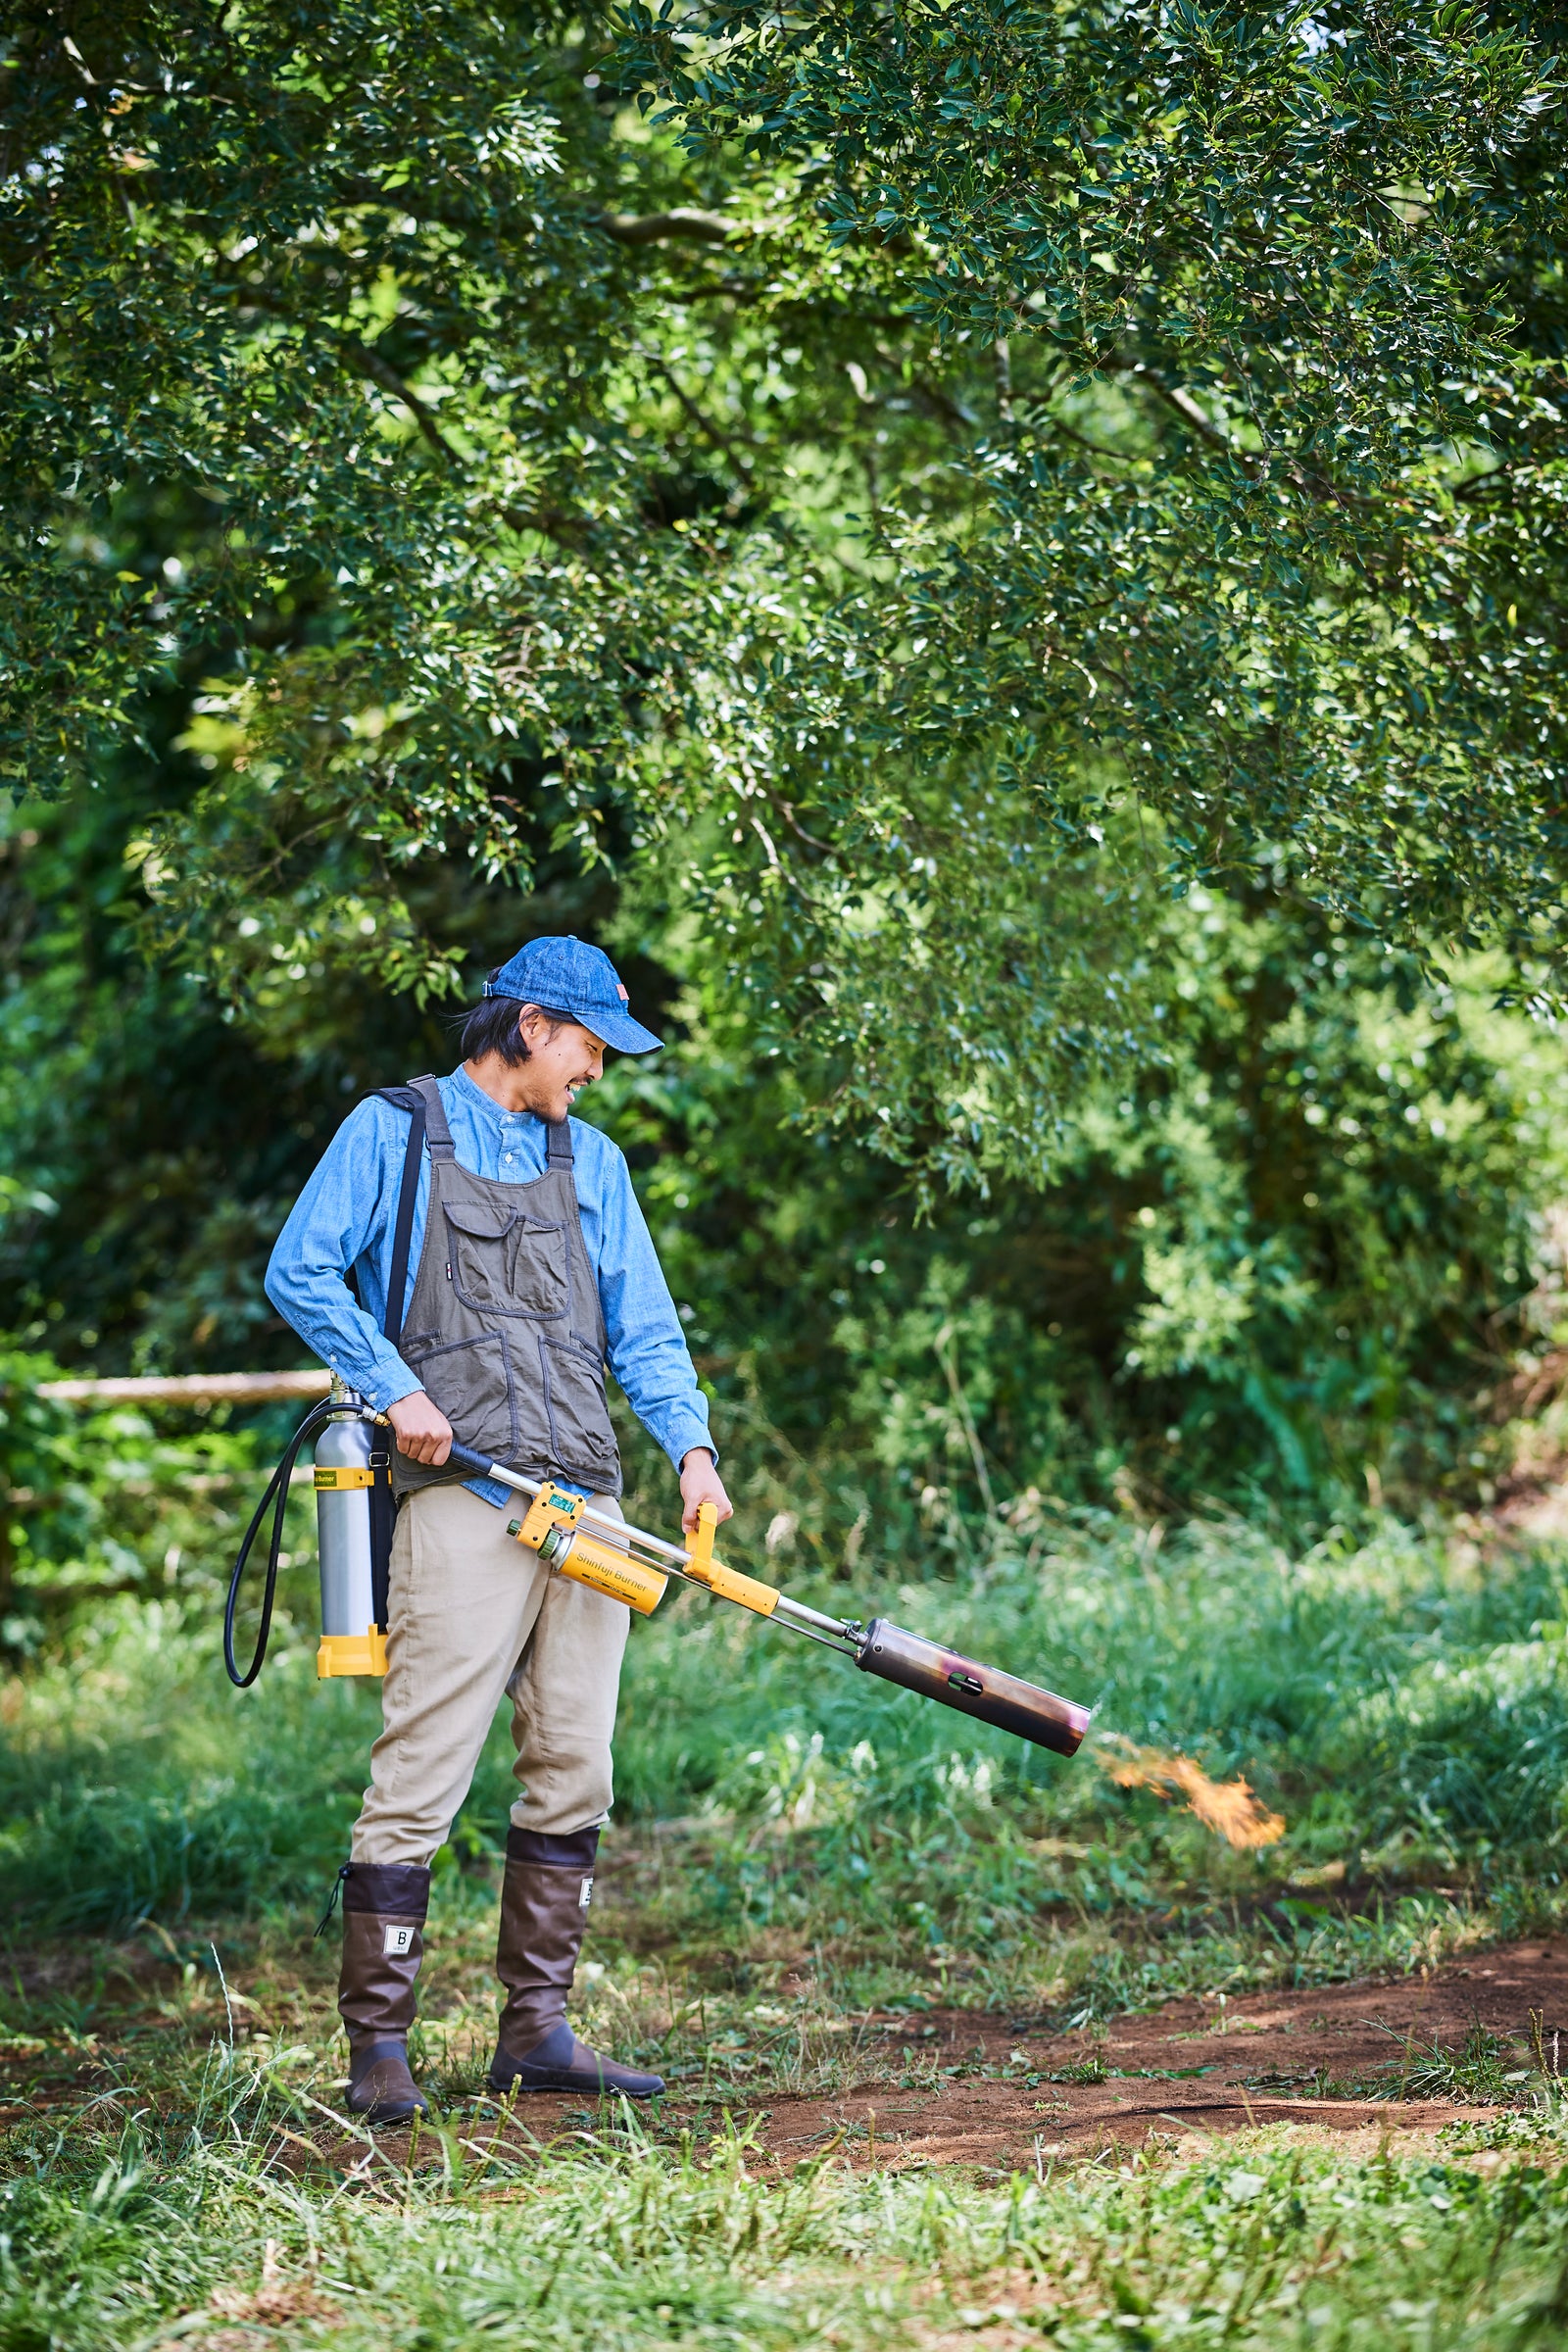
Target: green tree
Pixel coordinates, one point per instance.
(936, 435)
(1293, 1254)
(354, 376)
(876, 507)
(1259, 534)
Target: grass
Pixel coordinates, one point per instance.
(1392, 1699)
(1483, 2072)
(793, 1843)
(203, 2221)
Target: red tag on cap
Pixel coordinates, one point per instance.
(622, 994)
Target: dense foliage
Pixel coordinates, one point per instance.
(1295, 1256)
(1008, 561)
(1137, 408)
(1254, 534)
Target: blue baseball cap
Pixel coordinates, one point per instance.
(566, 976)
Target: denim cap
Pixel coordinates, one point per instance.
(566, 976)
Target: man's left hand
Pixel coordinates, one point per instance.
(699, 1481)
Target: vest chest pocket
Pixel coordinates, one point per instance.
(581, 1440)
(504, 1263)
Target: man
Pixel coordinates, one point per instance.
(529, 1263)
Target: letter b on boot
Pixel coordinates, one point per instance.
(396, 1941)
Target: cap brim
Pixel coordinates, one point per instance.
(620, 1030)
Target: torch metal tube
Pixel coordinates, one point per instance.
(983, 1692)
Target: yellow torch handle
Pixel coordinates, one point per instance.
(725, 1584)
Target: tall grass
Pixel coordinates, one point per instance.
(1400, 1700)
(1394, 1698)
(210, 2218)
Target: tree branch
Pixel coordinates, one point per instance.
(1186, 408)
(362, 359)
(652, 228)
(739, 289)
(704, 425)
(1314, 483)
(1059, 424)
(940, 402)
(1501, 472)
(1002, 368)
(138, 89)
(380, 372)
(786, 809)
(551, 523)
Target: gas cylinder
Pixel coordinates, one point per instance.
(352, 1642)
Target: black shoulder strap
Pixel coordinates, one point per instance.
(410, 1100)
(435, 1117)
(558, 1145)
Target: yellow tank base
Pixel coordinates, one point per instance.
(350, 1653)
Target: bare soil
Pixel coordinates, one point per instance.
(999, 2094)
(1193, 2068)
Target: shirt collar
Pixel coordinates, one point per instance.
(486, 1105)
(477, 1100)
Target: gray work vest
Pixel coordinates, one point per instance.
(505, 1329)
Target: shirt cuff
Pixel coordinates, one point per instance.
(390, 1389)
(688, 1432)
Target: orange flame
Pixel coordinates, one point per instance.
(1226, 1806)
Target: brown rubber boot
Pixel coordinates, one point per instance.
(544, 1909)
(383, 1941)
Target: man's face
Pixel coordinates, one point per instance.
(559, 1066)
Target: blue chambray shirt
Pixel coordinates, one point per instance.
(344, 1217)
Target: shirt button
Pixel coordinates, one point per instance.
(508, 1155)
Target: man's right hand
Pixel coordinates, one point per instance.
(422, 1429)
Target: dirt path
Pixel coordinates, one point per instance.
(1001, 2093)
(1009, 2096)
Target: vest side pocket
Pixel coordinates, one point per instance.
(583, 1440)
(474, 1384)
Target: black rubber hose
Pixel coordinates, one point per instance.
(277, 1494)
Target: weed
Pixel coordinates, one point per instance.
(1483, 2072)
(231, 2199)
(805, 1848)
(820, 1812)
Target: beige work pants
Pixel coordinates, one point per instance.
(474, 1614)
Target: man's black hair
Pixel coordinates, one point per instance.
(491, 1027)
